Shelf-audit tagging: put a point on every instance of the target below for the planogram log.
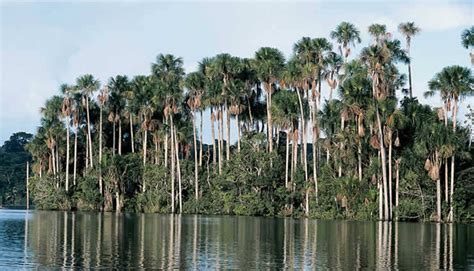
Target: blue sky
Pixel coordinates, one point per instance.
(48, 43)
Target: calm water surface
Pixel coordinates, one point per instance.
(92, 240)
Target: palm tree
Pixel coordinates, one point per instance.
(346, 34)
(409, 30)
(66, 110)
(334, 64)
(119, 86)
(467, 40)
(195, 82)
(168, 71)
(376, 57)
(378, 32)
(269, 64)
(87, 84)
(453, 83)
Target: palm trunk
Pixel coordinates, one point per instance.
(214, 151)
(172, 149)
(269, 119)
(238, 132)
(200, 139)
(196, 184)
(305, 164)
(227, 113)
(314, 143)
(219, 140)
(113, 136)
(132, 141)
(100, 135)
(451, 213)
(384, 163)
(397, 181)
(75, 156)
(67, 154)
(250, 111)
(145, 139)
(390, 176)
(380, 194)
(89, 133)
(409, 80)
(178, 168)
(286, 158)
(86, 162)
(359, 158)
(438, 200)
(120, 136)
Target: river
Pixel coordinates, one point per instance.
(53, 239)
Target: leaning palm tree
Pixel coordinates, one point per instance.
(409, 30)
(467, 40)
(346, 35)
(453, 83)
(195, 82)
(87, 84)
(269, 64)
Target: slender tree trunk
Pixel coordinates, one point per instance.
(28, 187)
(390, 180)
(384, 164)
(67, 154)
(178, 168)
(227, 113)
(214, 151)
(100, 135)
(314, 143)
(120, 136)
(359, 158)
(305, 163)
(75, 156)
(113, 136)
(238, 132)
(132, 141)
(397, 182)
(219, 140)
(89, 133)
(86, 162)
(380, 194)
(250, 111)
(145, 141)
(409, 80)
(286, 157)
(200, 139)
(196, 184)
(172, 165)
(269, 119)
(451, 211)
(438, 200)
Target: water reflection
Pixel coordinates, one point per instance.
(151, 241)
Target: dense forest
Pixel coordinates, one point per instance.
(136, 143)
(13, 162)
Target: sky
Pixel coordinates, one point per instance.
(44, 44)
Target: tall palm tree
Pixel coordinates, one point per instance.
(376, 58)
(467, 40)
(102, 98)
(87, 84)
(346, 35)
(269, 64)
(453, 83)
(66, 110)
(409, 30)
(195, 82)
(168, 71)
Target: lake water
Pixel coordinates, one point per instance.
(107, 240)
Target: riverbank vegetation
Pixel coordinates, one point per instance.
(367, 152)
